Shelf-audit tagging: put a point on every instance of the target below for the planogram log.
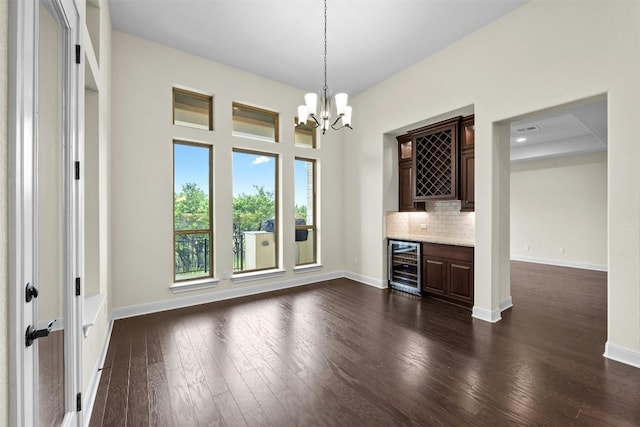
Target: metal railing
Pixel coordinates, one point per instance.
(192, 253)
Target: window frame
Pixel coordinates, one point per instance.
(208, 231)
(276, 197)
(314, 226)
(250, 108)
(202, 96)
(314, 134)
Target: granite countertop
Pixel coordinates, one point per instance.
(456, 241)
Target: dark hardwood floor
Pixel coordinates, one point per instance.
(339, 353)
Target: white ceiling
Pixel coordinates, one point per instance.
(368, 40)
(573, 130)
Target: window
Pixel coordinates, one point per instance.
(255, 214)
(305, 135)
(255, 122)
(192, 230)
(192, 109)
(305, 199)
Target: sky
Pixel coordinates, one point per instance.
(191, 164)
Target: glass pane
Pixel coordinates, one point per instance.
(254, 211)
(191, 187)
(192, 109)
(304, 136)
(304, 187)
(305, 247)
(255, 123)
(51, 216)
(193, 255)
(305, 211)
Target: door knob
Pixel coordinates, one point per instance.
(33, 334)
(31, 292)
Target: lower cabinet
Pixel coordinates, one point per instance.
(447, 272)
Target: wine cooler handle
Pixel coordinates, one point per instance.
(389, 261)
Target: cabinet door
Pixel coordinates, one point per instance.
(468, 180)
(436, 161)
(468, 134)
(405, 190)
(461, 280)
(434, 275)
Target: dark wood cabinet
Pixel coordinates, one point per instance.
(406, 176)
(435, 161)
(467, 164)
(448, 272)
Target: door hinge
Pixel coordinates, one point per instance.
(77, 286)
(77, 171)
(79, 402)
(77, 54)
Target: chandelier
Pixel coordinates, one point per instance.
(310, 109)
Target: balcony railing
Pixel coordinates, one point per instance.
(192, 255)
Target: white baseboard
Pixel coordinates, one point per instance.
(154, 307)
(560, 263)
(376, 283)
(622, 354)
(491, 316)
(92, 390)
(505, 304)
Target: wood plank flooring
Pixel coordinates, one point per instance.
(339, 353)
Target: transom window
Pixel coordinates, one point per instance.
(253, 122)
(192, 109)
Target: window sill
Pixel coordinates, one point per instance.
(307, 268)
(256, 275)
(193, 285)
(90, 310)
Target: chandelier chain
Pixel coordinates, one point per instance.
(325, 47)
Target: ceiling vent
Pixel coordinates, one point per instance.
(533, 128)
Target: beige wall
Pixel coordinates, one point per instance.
(560, 203)
(142, 164)
(4, 238)
(541, 55)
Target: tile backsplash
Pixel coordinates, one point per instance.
(442, 218)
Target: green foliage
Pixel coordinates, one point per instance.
(301, 212)
(251, 210)
(191, 208)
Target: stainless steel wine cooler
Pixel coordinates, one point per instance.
(404, 266)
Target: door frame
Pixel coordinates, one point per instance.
(22, 161)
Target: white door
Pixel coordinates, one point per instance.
(45, 196)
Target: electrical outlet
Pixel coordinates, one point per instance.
(225, 275)
(356, 261)
(526, 247)
(561, 250)
(423, 226)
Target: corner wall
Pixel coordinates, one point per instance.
(574, 51)
(4, 224)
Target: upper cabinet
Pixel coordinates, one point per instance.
(436, 162)
(467, 164)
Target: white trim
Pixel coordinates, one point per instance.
(622, 354)
(560, 263)
(92, 388)
(194, 285)
(225, 294)
(92, 306)
(256, 275)
(376, 283)
(491, 316)
(505, 304)
(307, 268)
